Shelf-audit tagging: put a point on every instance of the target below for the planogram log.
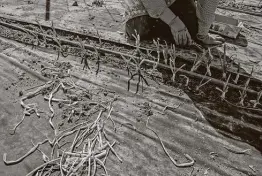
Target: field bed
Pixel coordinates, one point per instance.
(202, 80)
(66, 42)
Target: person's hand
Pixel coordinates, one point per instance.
(180, 32)
(210, 40)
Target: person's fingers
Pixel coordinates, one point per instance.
(181, 34)
(176, 38)
(189, 40)
(184, 39)
(180, 38)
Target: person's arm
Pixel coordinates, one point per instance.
(160, 9)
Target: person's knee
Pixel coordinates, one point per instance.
(138, 26)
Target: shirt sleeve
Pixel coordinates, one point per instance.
(154, 7)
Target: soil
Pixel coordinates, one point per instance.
(200, 125)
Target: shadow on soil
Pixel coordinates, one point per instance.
(232, 121)
(227, 116)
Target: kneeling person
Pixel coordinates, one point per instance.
(181, 19)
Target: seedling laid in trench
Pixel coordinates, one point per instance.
(224, 64)
(257, 101)
(243, 94)
(201, 84)
(198, 61)
(208, 62)
(165, 52)
(155, 59)
(172, 63)
(225, 88)
(138, 73)
(186, 78)
(44, 36)
(60, 49)
(138, 64)
(156, 42)
(96, 53)
(238, 74)
(137, 38)
(84, 54)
